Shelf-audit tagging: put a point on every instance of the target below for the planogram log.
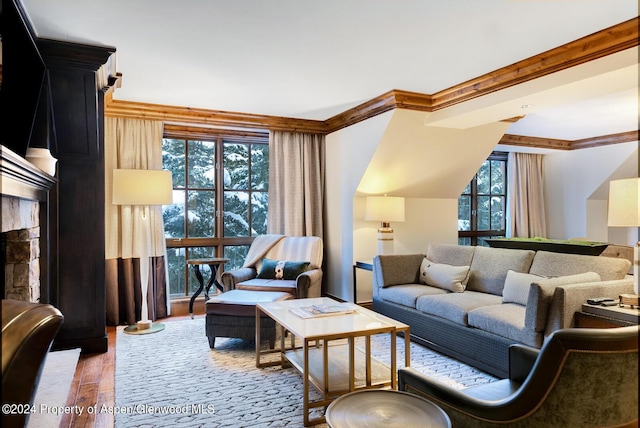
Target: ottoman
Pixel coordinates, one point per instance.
(233, 314)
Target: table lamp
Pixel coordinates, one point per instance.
(143, 188)
(384, 209)
(624, 211)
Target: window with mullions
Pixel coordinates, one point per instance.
(482, 205)
(220, 199)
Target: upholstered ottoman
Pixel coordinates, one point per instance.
(233, 314)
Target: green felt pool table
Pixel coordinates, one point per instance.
(554, 245)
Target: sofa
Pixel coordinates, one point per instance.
(473, 303)
(292, 264)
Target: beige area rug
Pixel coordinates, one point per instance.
(53, 389)
(173, 379)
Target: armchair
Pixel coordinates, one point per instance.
(579, 378)
(28, 329)
(279, 248)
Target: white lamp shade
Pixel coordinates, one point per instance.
(142, 187)
(624, 200)
(384, 208)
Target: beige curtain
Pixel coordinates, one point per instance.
(133, 144)
(296, 184)
(526, 196)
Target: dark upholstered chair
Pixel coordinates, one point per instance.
(579, 378)
(28, 330)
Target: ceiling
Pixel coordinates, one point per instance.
(315, 59)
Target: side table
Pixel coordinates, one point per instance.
(214, 264)
(365, 265)
(594, 316)
(384, 408)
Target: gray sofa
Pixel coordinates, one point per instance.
(481, 300)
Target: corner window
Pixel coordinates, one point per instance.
(482, 205)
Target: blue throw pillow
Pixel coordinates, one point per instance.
(280, 269)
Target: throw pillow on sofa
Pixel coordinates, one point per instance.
(280, 269)
(516, 287)
(541, 293)
(447, 277)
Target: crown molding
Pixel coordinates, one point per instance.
(555, 144)
(597, 45)
(186, 115)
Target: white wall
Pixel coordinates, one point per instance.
(348, 153)
(426, 220)
(396, 154)
(576, 189)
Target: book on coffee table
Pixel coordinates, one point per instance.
(322, 310)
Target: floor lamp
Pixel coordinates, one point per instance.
(624, 211)
(384, 209)
(143, 188)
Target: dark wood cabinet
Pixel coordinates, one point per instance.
(77, 284)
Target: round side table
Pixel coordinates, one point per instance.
(384, 408)
(214, 263)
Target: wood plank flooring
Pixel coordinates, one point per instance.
(94, 384)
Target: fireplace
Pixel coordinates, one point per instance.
(21, 249)
(24, 255)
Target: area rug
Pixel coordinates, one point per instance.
(173, 378)
(53, 389)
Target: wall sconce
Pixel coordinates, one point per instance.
(143, 187)
(624, 211)
(384, 209)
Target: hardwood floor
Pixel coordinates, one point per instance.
(94, 385)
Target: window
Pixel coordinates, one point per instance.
(482, 204)
(220, 199)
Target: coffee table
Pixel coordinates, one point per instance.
(328, 358)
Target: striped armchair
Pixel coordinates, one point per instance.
(280, 263)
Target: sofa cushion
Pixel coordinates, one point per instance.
(455, 306)
(407, 294)
(560, 264)
(541, 293)
(398, 269)
(256, 284)
(506, 320)
(489, 268)
(456, 255)
(445, 276)
(281, 269)
(516, 287)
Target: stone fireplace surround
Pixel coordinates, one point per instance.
(24, 228)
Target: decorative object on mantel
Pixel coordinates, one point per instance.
(42, 159)
(624, 211)
(143, 187)
(384, 209)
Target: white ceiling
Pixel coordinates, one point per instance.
(314, 59)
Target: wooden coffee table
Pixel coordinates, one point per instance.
(328, 358)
